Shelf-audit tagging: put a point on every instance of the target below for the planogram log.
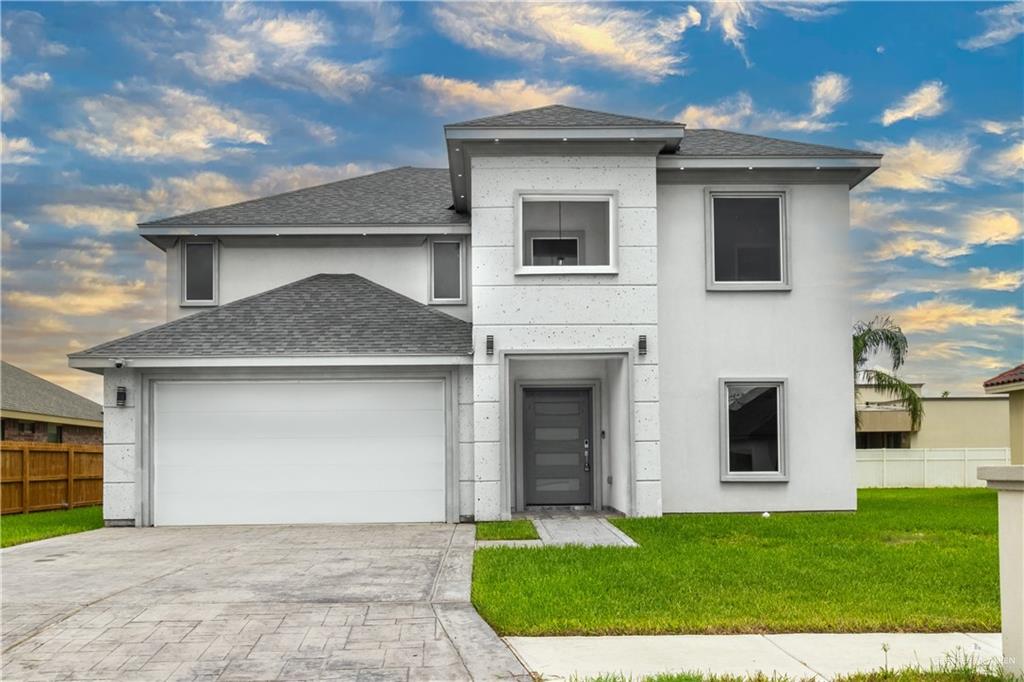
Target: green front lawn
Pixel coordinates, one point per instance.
(18, 528)
(519, 529)
(908, 560)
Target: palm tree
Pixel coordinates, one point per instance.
(883, 335)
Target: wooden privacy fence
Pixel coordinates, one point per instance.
(39, 476)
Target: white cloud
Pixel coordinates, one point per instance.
(933, 251)
(17, 150)
(278, 47)
(17, 224)
(939, 315)
(10, 93)
(996, 226)
(452, 94)
(617, 38)
(24, 33)
(1002, 24)
(827, 91)
(920, 166)
(973, 279)
(321, 132)
(927, 101)
(113, 208)
(161, 124)
(734, 18)
(1008, 162)
(872, 213)
(1000, 127)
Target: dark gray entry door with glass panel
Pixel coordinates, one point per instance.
(558, 447)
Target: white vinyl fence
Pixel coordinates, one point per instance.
(926, 467)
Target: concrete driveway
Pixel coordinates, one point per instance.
(380, 602)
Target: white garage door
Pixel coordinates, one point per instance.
(298, 452)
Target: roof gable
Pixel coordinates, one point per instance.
(399, 196)
(326, 315)
(1010, 376)
(22, 391)
(561, 116)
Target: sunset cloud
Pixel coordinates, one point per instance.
(738, 112)
(617, 38)
(1008, 162)
(734, 19)
(451, 94)
(940, 315)
(921, 165)
(17, 150)
(927, 101)
(161, 124)
(1002, 24)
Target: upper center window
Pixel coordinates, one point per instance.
(566, 234)
(200, 274)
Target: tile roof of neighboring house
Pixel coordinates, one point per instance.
(711, 142)
(400, 196)
(561, 116)
(21, 391)
(324, 315)
(1010, 376)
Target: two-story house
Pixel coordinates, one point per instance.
(583, 310)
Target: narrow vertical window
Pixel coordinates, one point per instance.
(753, 442)
(446, 272)
(200, 272)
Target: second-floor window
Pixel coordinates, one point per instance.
(747, 240)
(199, 275)
(447, 272)
(562, 234)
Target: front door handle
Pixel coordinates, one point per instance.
(586, 455)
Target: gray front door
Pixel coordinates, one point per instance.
(558, 447)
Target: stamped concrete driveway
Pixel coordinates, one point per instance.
(381, 602)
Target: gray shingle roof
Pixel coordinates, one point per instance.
(711, 142)
(560, 116)
(22, 391)
(321, 315)
(400, 196)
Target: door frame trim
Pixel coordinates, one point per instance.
(596, 425)
(145, 429)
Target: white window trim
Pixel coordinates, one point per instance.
(461, 300)
(612, 197)
(185, 301)
(780, 476)
(709, 238)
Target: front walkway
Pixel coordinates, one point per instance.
(567, 527)
(798, 656)
(381, 602)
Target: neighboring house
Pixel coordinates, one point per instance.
(978, 421)
(39, 411)
(584, 309)
(1012, 382)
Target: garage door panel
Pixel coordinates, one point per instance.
(333, 451)
(193, 426)
(280, 507)
(260, 396)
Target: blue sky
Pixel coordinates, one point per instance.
(116, 113)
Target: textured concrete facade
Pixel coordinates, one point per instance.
(572, 315)
(122, 428)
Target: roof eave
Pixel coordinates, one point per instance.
(97, 363)
(456, 132)
(1009, 387)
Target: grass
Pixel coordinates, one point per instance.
(958, 666)
(908, 560)
(520, 529)
(16, 529)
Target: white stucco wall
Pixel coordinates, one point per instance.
(561, 312)
(121, 437)
(802, 335)
(249, 266)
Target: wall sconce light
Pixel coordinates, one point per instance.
(122, 396)
(642, 345)
(490, 344)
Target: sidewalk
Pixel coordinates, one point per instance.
(795, 655)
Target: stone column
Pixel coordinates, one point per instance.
(1009, 481)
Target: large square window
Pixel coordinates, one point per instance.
(566, 234)
(446, 271)
(753, 431)
(199, 273)
(747, 241)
